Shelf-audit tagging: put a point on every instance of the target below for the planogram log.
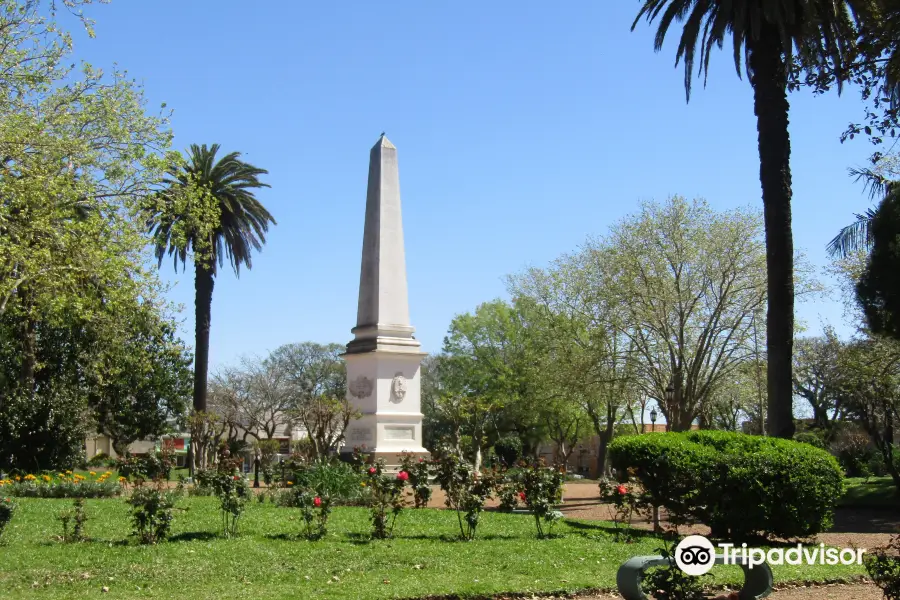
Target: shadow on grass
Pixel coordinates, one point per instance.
(584, 528)
(194, 536)
(866, 520)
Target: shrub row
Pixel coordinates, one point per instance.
(62, 485)
(741, 486)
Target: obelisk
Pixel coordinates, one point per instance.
(383, 359)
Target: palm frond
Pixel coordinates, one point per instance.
(853, 237)
(243, 220)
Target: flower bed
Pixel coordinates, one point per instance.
(62, 485)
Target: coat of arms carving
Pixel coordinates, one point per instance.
(361, 387)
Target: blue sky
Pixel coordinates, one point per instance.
(522, 128)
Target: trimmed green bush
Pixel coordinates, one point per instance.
(741, 486)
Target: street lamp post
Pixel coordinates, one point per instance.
(653, 415)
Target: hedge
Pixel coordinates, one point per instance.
(741, 486)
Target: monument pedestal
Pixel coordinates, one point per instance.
(383, 360)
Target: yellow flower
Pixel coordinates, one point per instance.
(30, 477)
(62, 475)
(362, 483)
(18, 478)
(93, 474)
(290, 483)
(68, 472)
(45, 478)
(121, 479)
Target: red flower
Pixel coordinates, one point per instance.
(235, 477)
(421, 460)
(317, 502)
(402, 475)
(522, 496)
(371, 470)
(622, 490)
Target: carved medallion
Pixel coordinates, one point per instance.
(361, 387)
(398, 388)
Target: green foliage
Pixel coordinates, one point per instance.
(101, 459)
(77, 517)
(337, 480)
(233, 493)
(542, 489)
(386, 499)
(419, 471)
(883, 566)
(153, 467)
(740, 485)
(509, 450)
(152, 513)
(7, 509)
(813, 438)
(80, 156)
(878, 289)
(314, 510)
(855, 453)
(62, 488)
(628, 499)
(45, 431)
(465, 489)
(671, 583)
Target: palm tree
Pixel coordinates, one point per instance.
(240, 225)
(765, 34)
(858, 235)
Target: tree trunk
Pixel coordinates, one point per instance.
(769, 79)
(29, 344)
(203, 287)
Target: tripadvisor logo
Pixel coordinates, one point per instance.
(696, 555)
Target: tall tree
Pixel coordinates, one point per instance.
(317, 382)
(815, 372)
(766, 35)
(577, 333)
(208, 206)
(688, 282)
(79, 153)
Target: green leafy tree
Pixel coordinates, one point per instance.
(79, 155)
(588, 364)
(143, 382)
(765, 36)
(209, 209)
(878, 288)
(868, 385)
(316, 383)
(815, 372)
(488, 379)
(688, 282)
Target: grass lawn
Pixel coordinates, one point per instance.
(875, 492)
(267, 561)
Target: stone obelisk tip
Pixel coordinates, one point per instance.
(384, 142)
